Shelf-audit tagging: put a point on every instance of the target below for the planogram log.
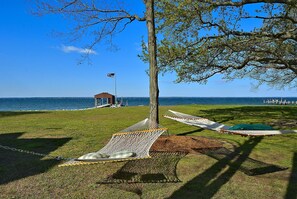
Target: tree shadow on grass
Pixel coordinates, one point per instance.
(191, 132)
(250, 166)
(279, 117)
(208, 183)
(292, 186)
(17, 113)
(15, 165)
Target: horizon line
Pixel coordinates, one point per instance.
(164, 97)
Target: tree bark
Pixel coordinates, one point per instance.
(153, 68)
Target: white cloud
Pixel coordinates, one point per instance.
(70, 49)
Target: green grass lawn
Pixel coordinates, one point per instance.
(74, 133)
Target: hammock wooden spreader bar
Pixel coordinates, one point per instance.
(137, 142)
(221, 128)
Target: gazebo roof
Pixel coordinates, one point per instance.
(104, 95)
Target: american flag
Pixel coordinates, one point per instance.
(110, 74)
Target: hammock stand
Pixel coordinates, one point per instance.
(218, 127)
(132, 140)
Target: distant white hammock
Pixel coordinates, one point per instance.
(130, 144)
(215, 126)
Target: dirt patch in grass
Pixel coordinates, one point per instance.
(185, 143)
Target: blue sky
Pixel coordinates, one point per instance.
(35, 63)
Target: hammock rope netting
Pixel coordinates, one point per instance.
(136, 139)
(221, 128)
(195, 121)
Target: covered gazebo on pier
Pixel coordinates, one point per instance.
(104, 99)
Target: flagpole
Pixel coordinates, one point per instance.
(113, 75)
(115, 89)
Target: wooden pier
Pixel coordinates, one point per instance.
(279, 102)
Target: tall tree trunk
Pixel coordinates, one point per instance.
(152, 49)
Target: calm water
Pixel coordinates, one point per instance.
(70, 103)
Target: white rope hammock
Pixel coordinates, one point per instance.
(195, 121)
(215, 126)
(136, 139)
